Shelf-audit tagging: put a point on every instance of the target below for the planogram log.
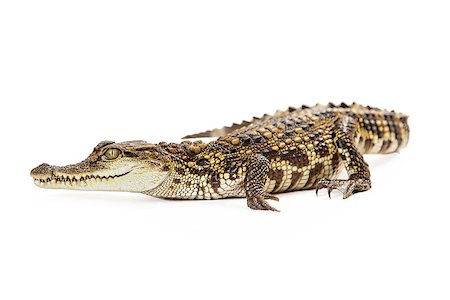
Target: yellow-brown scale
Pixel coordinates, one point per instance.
(295, 149)
(302, 147)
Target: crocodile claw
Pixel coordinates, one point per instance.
(259, 202)
(346, 187)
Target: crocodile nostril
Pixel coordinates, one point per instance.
(41, 169)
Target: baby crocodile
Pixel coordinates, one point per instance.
(296, 149)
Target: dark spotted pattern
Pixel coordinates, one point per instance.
(299, 148)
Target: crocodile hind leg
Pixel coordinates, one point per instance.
(258, 170)
(346, 187)
(357, 169)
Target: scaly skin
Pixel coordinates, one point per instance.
(292, 150)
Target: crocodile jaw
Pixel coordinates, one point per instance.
(125, 179)
(80, 182)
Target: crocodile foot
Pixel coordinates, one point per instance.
(259, 202)
(346, 187)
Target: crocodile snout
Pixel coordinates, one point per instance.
(42, 169)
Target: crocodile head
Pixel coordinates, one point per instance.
(133, 166)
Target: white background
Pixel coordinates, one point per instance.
(73, 73)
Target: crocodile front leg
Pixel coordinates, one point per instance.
(258, 170)
(357, 169)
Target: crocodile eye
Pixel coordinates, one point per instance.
(112, 153)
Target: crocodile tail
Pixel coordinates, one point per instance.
(380, 131)
(218, 132)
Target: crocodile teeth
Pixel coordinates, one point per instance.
(75, 180)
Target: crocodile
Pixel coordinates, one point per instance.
(295, 149)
